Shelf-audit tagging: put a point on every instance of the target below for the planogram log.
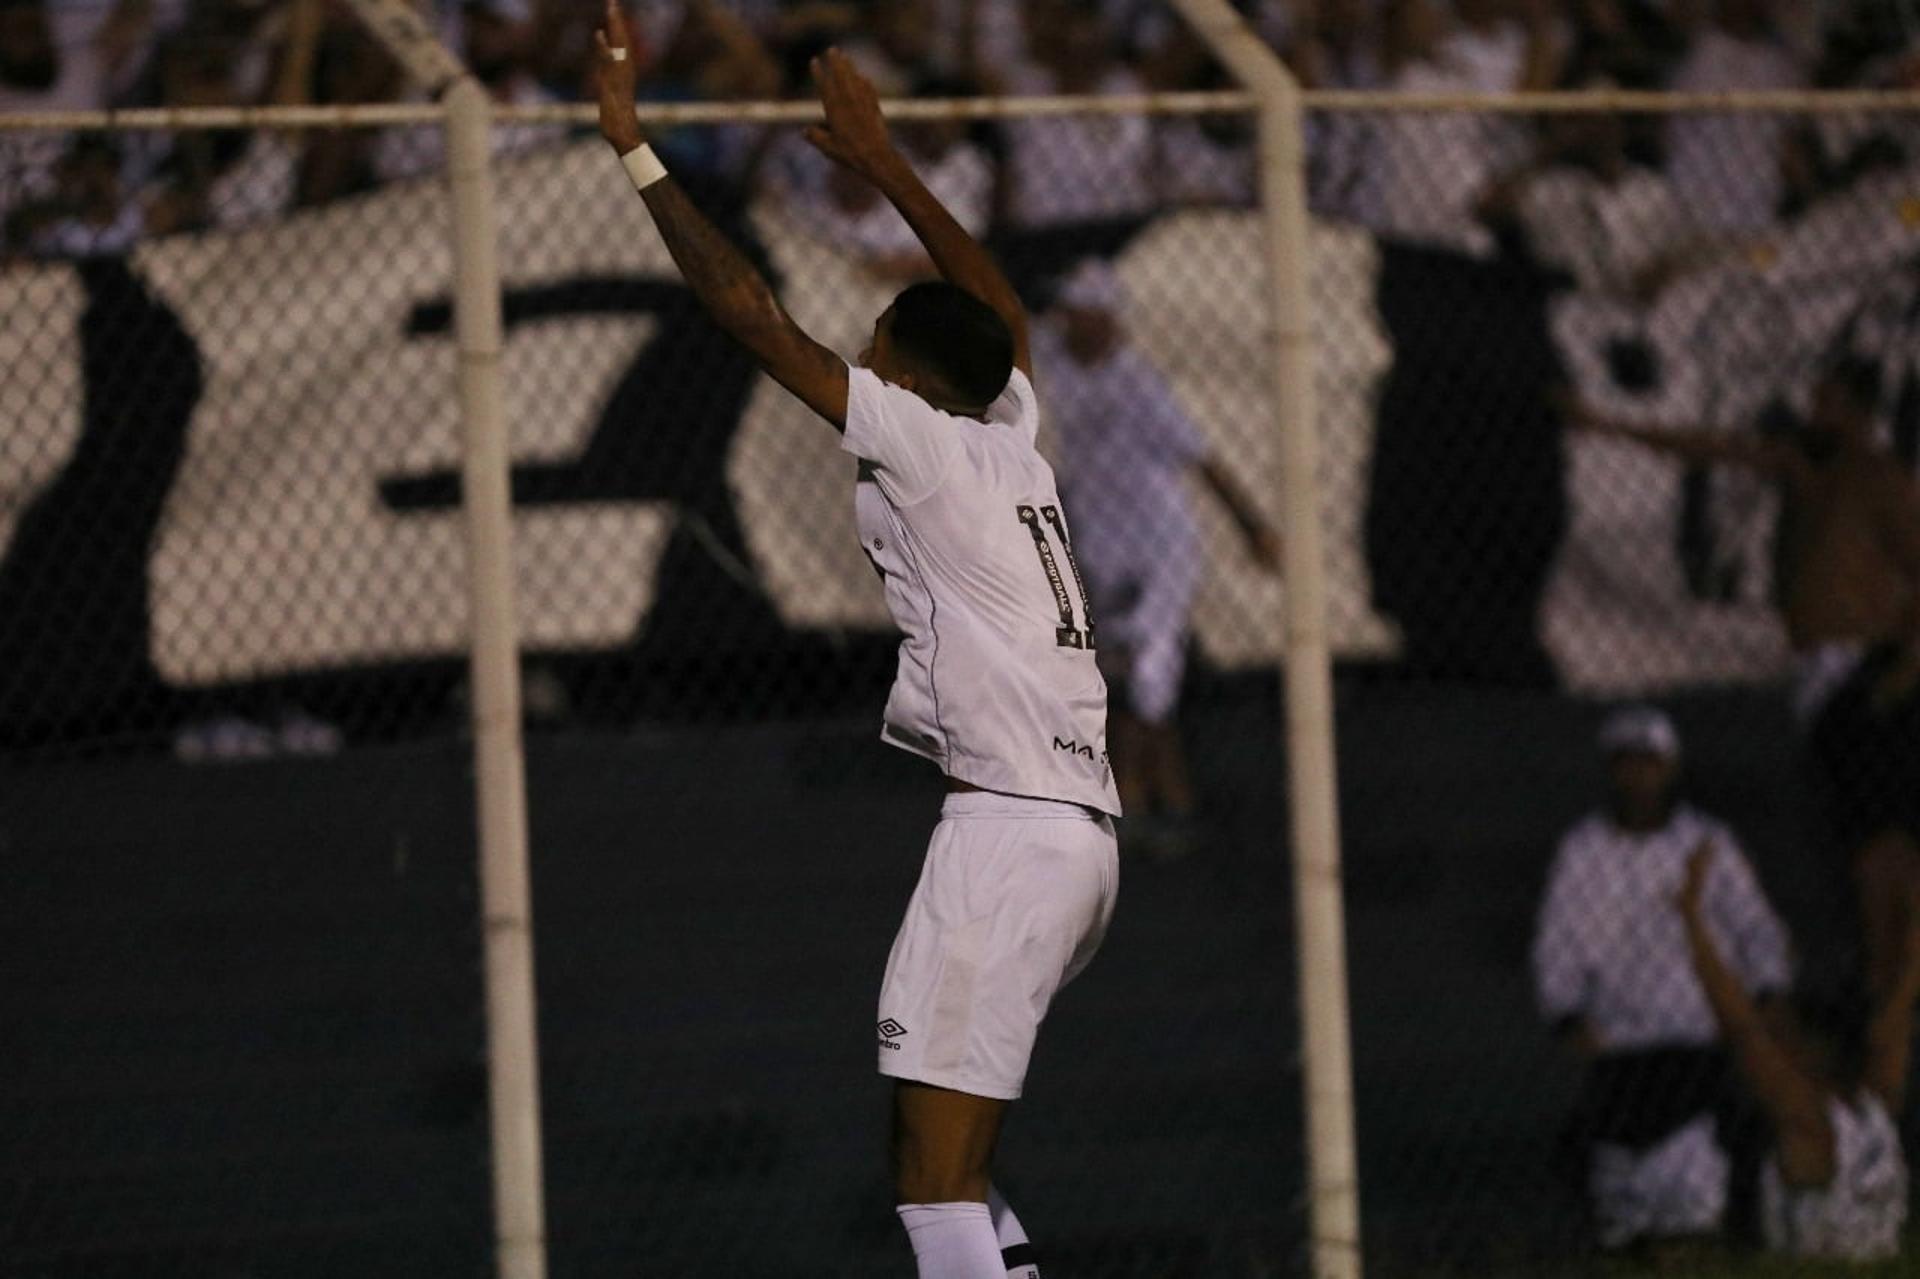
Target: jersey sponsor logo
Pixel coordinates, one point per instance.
(891, 1032)
(1074, 746)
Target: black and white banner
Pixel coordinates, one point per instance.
(297, 460)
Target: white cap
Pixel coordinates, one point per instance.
(1641, 729)
(1093, 286)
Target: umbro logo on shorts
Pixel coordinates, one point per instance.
(890, 1031)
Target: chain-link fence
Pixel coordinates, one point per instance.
(236, 623)
(1615, 391)
(244, 932)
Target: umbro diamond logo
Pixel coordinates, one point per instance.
(890, 1033)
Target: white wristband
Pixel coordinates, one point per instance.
(643, 166)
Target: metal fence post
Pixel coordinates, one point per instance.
(500, 776)
(1333, 1179)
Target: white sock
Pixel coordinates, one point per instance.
(952, 1240)
(1016, 1254)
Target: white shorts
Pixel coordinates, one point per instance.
(1671, 1190)
(1012, 903)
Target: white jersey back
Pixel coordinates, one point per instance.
(997, 682)
(1859, 1214)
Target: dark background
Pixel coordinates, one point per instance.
(243, 1018)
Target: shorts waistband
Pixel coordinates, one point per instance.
(984, 803)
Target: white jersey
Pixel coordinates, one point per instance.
(1610, 947)
(997, 682)
(1858, 1215)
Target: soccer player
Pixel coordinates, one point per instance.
(997, 682)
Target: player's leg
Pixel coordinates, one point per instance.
(1016, 1253)
(1012, 903)
(942, 1147)
(943, 1143)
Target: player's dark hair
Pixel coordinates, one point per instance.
(955, 338)
(1858, 376)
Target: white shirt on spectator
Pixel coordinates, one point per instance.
(1610, 946)
(28, 157)
(1433, 168)
(1727, 166)
(1605, 234)
(1128, 445)
(1491, 61)
(261, 185)
(962, 180)
(1069, 169)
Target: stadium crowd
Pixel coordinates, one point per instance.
(1427, 180)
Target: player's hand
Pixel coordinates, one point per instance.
(854, 134)
(616, 77)
(1693, 889)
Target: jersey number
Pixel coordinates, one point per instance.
(1067, 635)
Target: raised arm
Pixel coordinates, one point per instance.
(1794, 1102)
(729, 287)
(855, 135)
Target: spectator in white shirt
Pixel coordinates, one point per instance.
(1129, 449)
(1614, 977)
(1435, 167)
(851, 215)
(67, 55)
(1729, 167)
(1336, 46)
(1065, 170)
(1616, 227)
(494, 35)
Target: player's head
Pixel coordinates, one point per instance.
(1089, 305)
(943, 344)
(1845, 398)
(1642, 750)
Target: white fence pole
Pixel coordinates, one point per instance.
(1333, 1178)
(513, 1075)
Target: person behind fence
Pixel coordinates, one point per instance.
(1729, 167)
(1129, 448)
(1829, 1083)
(997, 682)
(1612, 977)
(1849, 592)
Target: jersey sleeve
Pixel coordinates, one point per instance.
(910, 444)
(1017, 406)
